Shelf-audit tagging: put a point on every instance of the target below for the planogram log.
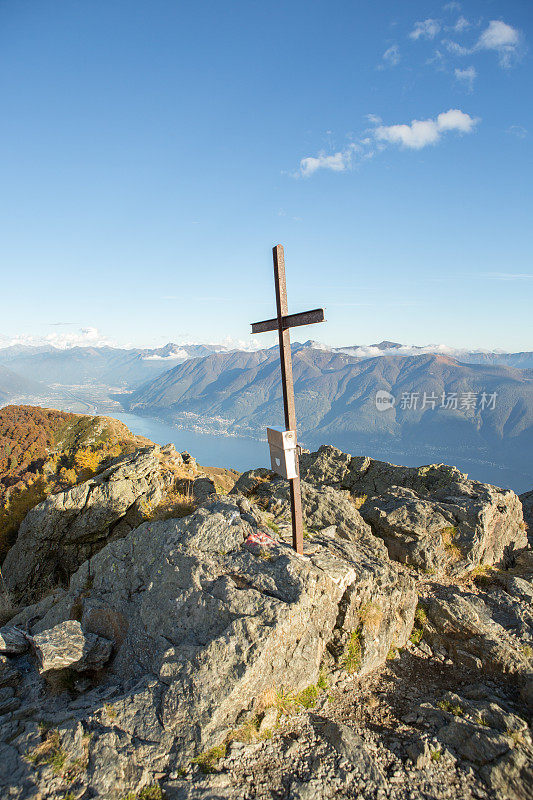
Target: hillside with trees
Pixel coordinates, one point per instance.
(43, 451)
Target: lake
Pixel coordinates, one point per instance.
(242, 454)
(207, 449)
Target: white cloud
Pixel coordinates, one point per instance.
(337, 162)
(84, 337)
(392, 55)
(421, 133)
(171, 356)
(371, 351)
(461, 25)
(517, 130)
(437, 60)
(509, 276)
(427, 29)
(417, 134)
(498, 36)
(502, 38)
(456, 120)
(456, 49)
(466, 76)
(453, 6)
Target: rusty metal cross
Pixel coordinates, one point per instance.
(282, 323)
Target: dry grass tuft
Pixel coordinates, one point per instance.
(175, 505)
(449, 535)
(49, 752)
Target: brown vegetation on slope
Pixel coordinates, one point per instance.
(43, 451)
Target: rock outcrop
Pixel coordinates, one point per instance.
(432, 517)
(212, 621)
(322, 507)
(202, 655)
(490, 632)
(66, 529)
(13, 641)
(482, 730)
(527, 505)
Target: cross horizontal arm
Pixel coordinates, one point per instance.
(289, 321)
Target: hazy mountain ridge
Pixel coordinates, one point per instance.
(130, 368)
(238, 392)
(13, 385)
(98, 365)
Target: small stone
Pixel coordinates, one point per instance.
(468, 660)
(425, 648)
(13, 640)
(25, 711)
(269, 720)
(67, 645)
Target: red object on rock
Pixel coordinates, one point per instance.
(260, 538)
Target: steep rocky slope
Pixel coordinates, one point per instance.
(432, 517)
(44, 451)
(69, 483)
(212, 623)
(527, 503)
(190, 653)
(67, 528)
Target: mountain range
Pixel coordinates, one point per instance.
(437, 405)
(478, 406)
(114, 366)
(130, 368)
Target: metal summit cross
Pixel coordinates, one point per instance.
(282, 323)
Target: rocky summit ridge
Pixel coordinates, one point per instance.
(184, 650)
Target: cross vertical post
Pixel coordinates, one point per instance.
(282, 323)
(287, 384)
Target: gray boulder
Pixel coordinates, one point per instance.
(67, 646)
(64, 530)
(206, 623)
(322, 507)
(198, 488)
(489, 736)
(350, 746)
(479, 631)
(433, 517)
(511, 777)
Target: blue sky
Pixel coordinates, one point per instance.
(153, 152)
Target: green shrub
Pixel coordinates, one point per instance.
(353, 653)
(453, 708)
(207, 761)
(307, 697)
